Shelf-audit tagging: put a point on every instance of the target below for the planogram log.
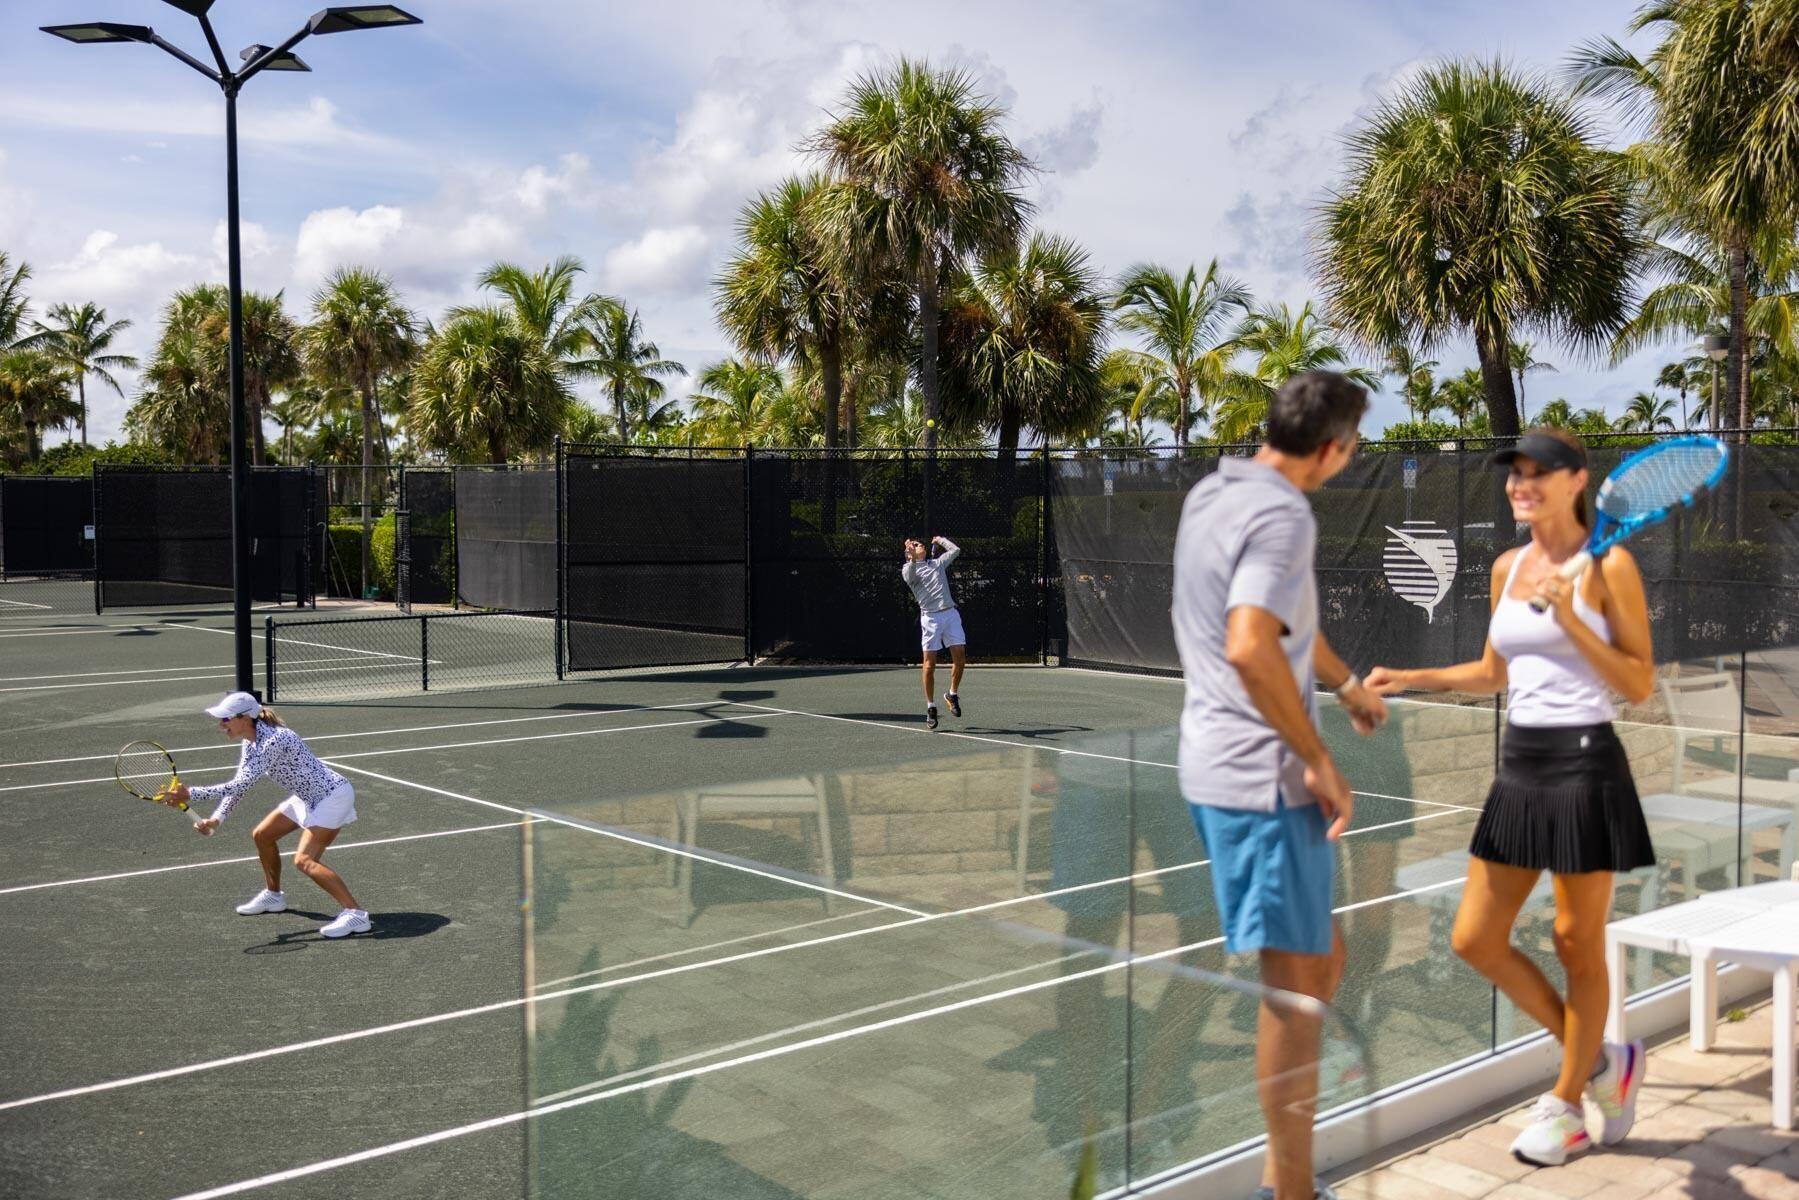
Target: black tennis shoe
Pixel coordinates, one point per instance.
(930, 716)
(955, 704)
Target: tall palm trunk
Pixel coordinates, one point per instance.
(1010, 421)
(1496, 380)
(81, 390)
(1183, 397)
(618, 413)
(830, 370)
(928, 316)
(368, 468)
(32, 449)
(1736, 371)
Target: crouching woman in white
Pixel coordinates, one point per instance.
(322, 803)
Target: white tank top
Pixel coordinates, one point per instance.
(1551, 684)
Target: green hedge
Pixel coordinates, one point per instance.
(346, 540)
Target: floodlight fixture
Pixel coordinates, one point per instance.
(99, 33)
(285, 61)
(193, 8)
(345, 18)
(1717, 346)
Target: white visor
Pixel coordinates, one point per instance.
(235, 704)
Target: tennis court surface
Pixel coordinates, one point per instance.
(733, 931)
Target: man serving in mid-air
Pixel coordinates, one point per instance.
(938, 619)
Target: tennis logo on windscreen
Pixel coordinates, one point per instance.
(1420, 562)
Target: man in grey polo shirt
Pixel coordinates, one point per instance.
(1265, 793)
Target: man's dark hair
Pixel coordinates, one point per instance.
(1313, 408)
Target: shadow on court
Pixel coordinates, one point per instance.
(387, 927)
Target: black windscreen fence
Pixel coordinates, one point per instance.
(44, 521)
(827, 533)
(428, 494)
(1406, 540)
(505, 527)
(163, 535)
(655, 569)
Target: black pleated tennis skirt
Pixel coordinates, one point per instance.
(1564, 802)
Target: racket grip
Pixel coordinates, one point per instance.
(1568, 572)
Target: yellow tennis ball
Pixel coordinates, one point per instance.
(930, 424)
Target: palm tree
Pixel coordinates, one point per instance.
(899, 420)
(1716, 93)
(271, 349)
(1138, 389)
(926, 180)
(781, 296)
(1023, 336)
(1461, 395)
(359, 332)
(632, 367)
(587, 424)
(485, 384)
(1185, 324)
(185, 405)
(14, 305)
(1478, 200)
(78, 338)
(1647, 413)
(1557, 414)
(1280, 344)
(732, 401)
(1416, 383)
(34, 395)
(1524, 361)
(544, 304)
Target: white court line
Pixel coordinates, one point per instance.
(326, 737)
(301, 642)
(450, 745)
(225, 674)
(152, 670)
(692, 950)
(537, 737)
(664, 973)
(114, 630)
(516, 1118)
(59, 783)
(647, 843)
(807, 1026)
(1047, 748)
(219, 862)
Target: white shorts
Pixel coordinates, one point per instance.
(333, 812)
(942, 629)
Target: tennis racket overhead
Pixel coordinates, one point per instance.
(147, 771)
(1644, 490)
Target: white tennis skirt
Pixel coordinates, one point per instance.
(942, 629)
(333, 812)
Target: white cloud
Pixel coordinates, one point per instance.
(109, 272)
(254, 241)
(314, 124)
(662, 262)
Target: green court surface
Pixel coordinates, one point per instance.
(736, 932)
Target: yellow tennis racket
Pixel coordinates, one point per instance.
(147, 771)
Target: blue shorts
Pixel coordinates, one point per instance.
(1273, 876)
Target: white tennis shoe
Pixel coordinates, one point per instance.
(1557, 1130)
(1614, 1090)
(350, 920)
(264, 901)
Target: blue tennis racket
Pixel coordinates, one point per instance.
(1644, 490)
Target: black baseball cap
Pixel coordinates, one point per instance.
(1550, 453)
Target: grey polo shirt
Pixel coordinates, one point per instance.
(1247, 536)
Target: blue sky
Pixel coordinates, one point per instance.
(630, 135)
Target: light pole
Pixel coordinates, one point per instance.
(254, 59)
(1717, 348)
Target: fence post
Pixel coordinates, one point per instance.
(424, 653)
(97, 533)
(561, 555)
(1043, 596)
(268, 656)
(749, 560)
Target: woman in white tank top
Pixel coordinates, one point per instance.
(1563, 800)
